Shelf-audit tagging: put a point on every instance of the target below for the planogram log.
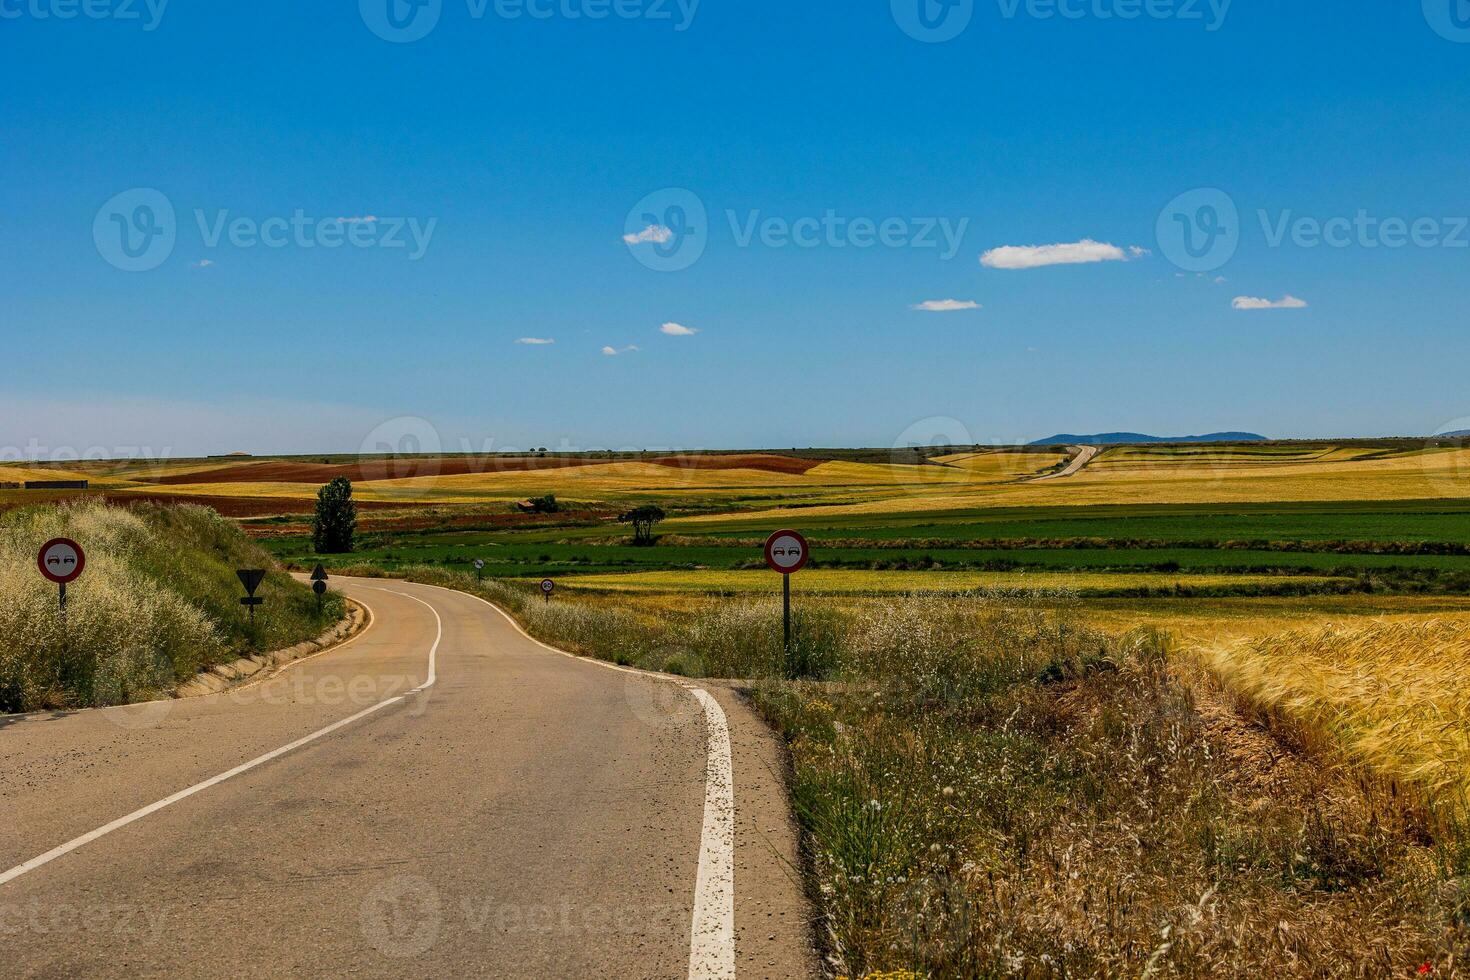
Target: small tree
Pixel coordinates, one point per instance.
(335, 523)
(643, 519)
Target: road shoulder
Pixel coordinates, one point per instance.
(774, 921)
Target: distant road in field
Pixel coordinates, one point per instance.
(1084, 455)
(442, 796)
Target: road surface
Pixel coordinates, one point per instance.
(1083, 456)
(442, 796)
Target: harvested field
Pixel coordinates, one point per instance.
(402, 468)
(412, 467)
(766, 462)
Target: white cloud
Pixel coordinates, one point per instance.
(678, 330)
(536, 341)
(653, 233)
(945, 305)
(1287, 302)
(1037, 256)
(362, 219)
(203, 263)
(615, 351)
(1138, 251)
(1220, 280)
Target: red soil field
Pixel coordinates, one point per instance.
(405, 468)
(227, 506)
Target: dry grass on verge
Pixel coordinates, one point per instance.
(1018, 797)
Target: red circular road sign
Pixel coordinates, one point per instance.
(548, 586)
(61, 560)
(787, 552)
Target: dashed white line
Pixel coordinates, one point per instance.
(183, 794)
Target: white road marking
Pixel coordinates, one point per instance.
(184, 794)
(372, 620)
(712, 936)
(712, 932)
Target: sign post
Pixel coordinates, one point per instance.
(479, 568)
(547, 587)
(251, 579)
(319, 585)
(787, 553)
(61, 560)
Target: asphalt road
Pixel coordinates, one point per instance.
(1084, 455)
(441, 796)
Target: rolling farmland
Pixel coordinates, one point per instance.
(1227, 671)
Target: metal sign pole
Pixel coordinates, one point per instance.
(786, 617)
(63, 597)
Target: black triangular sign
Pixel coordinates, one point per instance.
(319, 574)
(250, 578)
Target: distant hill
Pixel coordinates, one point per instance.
(1122, 438)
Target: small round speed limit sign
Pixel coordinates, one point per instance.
(786, 552)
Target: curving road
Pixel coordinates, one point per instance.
(1083, 456)
(441, 796)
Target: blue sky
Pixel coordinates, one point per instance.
(521, 146)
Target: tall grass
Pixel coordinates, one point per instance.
(158, 602)
(1010, 794)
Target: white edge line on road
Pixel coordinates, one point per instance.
(293, 664)
(712, 935)
(184, 794)
(712, 932)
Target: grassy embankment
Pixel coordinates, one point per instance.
(158, 602)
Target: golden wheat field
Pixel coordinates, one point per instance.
(1212, 621)
(1394, 697)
